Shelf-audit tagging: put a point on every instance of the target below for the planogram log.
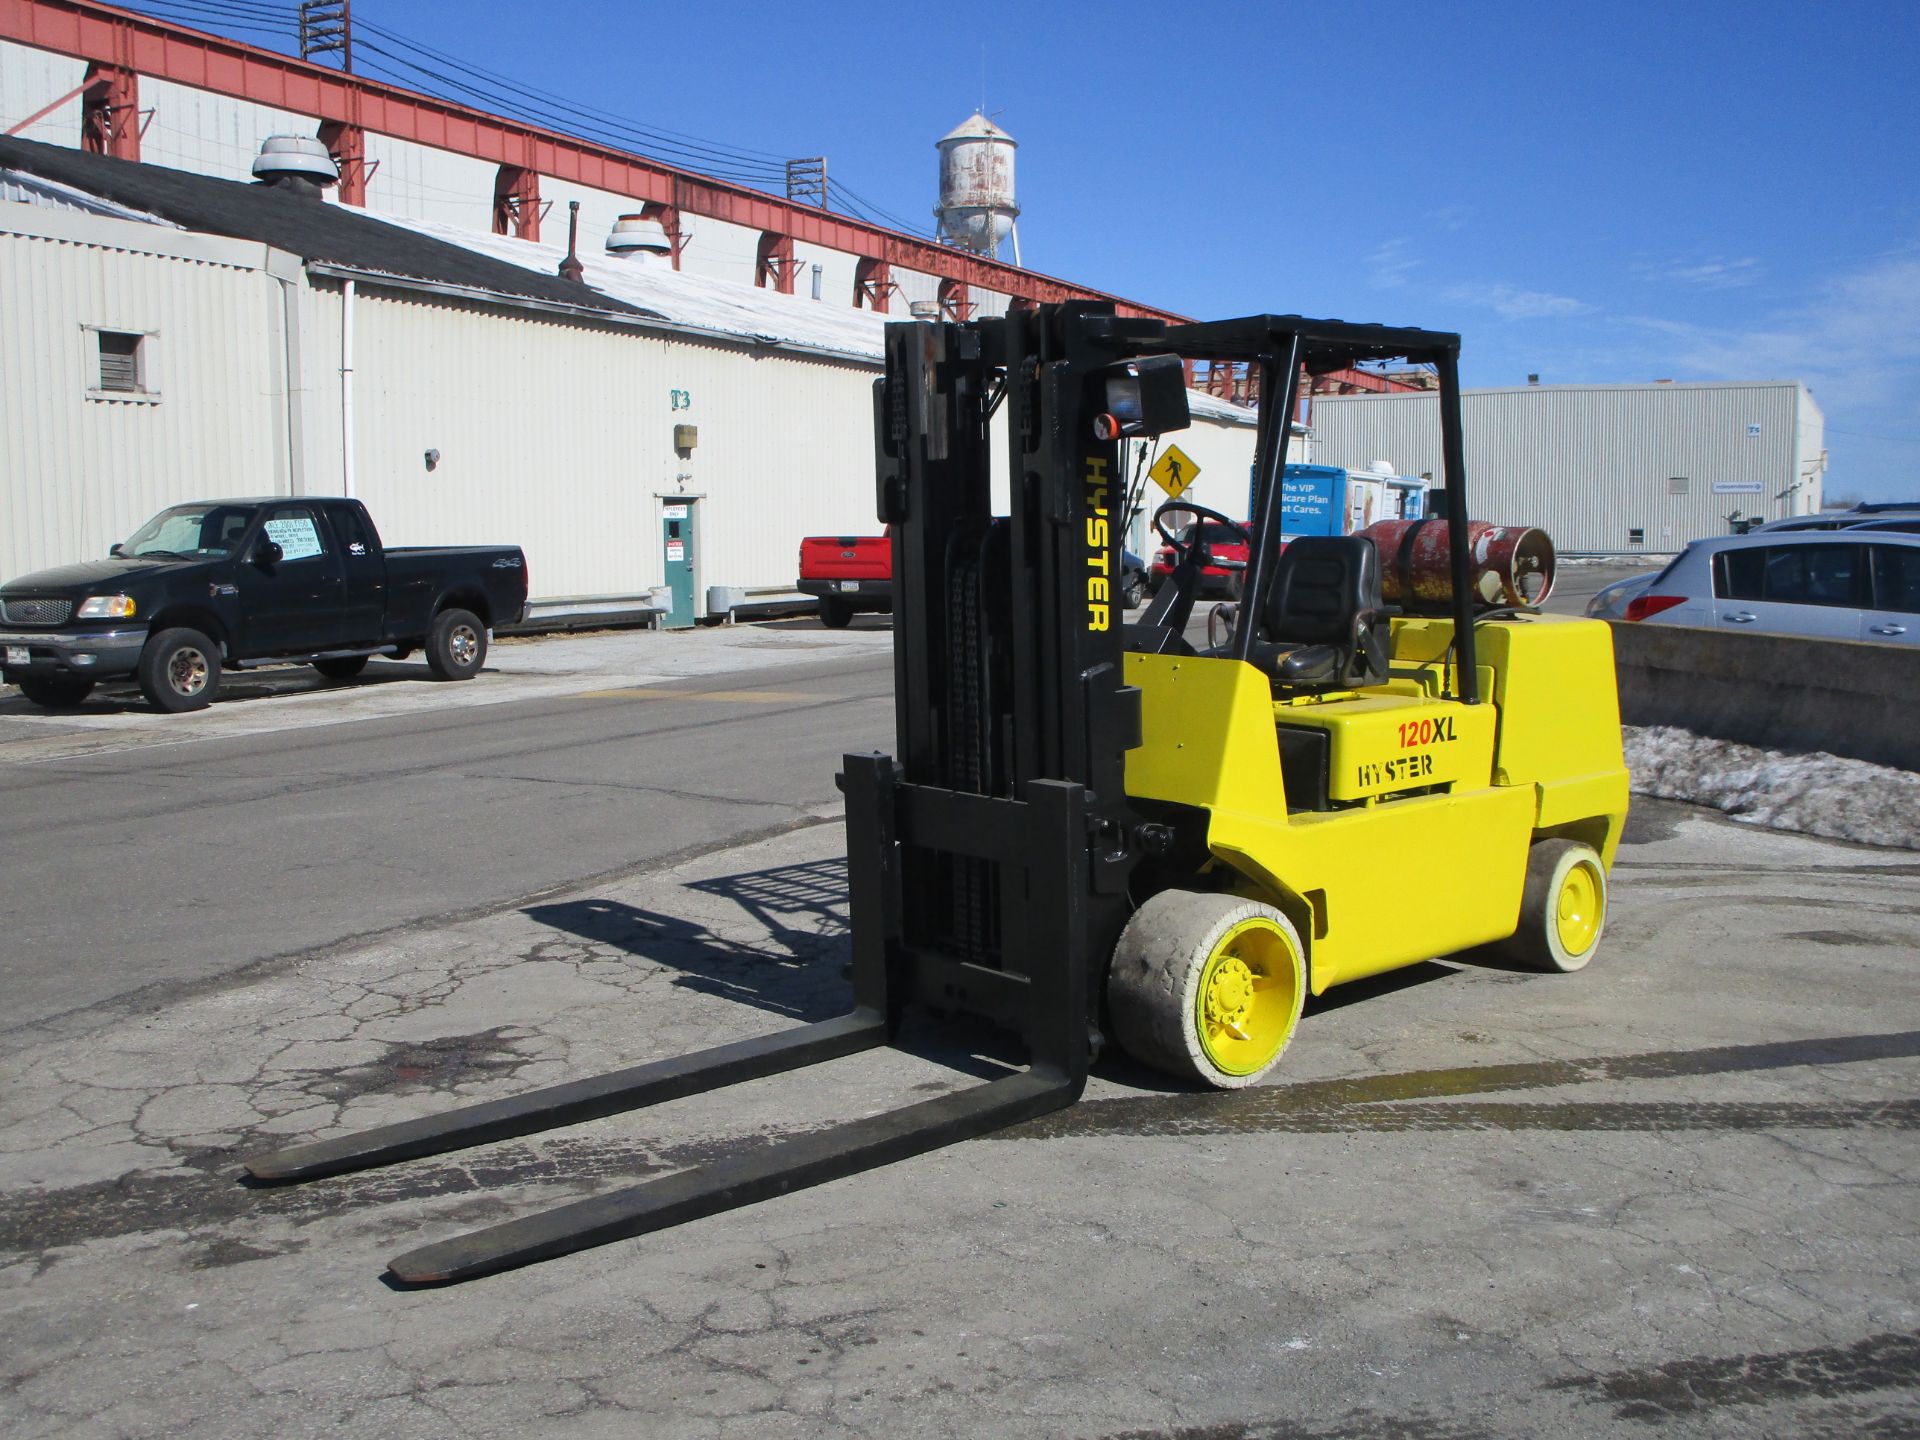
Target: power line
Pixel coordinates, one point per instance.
(408, 63)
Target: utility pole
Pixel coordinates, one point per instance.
(326, 27)
(807, 180)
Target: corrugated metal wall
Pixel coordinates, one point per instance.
(31, 79)
(1590, 465)
(559, 437)
(78, 473)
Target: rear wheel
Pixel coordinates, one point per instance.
(343, 667)
(1207, 987)
(1563, 908)
(56, 694)
(1133, 590)
(834, 614)
(457, 645)
(179, 670)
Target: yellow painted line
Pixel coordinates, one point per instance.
(742, 697)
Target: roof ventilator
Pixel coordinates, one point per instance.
(639, 238)
(299, 163)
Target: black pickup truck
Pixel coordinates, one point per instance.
(230, 584)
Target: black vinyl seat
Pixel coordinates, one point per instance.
(1324, 624)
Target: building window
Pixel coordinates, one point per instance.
(122, 366)
(1636, 536)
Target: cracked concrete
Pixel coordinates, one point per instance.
(1677, 1189)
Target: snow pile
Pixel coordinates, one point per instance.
(1818, 794)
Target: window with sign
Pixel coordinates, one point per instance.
(297, 533)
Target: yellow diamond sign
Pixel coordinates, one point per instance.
(1173, 472)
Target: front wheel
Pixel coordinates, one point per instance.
(179, 670)
(1563, 907)
(457, 645)
(56, 694)
(1207, 987)
(1133, 590)
(343, 667)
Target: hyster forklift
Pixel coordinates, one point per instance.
(1092, 829)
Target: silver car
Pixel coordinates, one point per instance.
(1610, 602)
(1829, 584)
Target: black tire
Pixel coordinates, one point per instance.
(344, 667)
(834, 614)
(1563, 907)
(1133, 590)
(456, 645)
(179, 670)
(56, 694)
(401, 654)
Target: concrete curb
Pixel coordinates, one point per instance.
(1779, 692)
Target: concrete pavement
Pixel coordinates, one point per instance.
(1675, 1189)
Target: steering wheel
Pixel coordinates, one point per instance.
(1180, 549)
(1173, 603)
(1202, 513)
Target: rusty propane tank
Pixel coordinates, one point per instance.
(1510, 564)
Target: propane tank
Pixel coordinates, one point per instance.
(1509, 564)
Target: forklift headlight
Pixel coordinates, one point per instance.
(1144, 396)
(105, 607)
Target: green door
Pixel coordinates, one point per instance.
(679, 546)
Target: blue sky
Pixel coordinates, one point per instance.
(1593, 192)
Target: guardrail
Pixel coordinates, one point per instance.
(1780, 692)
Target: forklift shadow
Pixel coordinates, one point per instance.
(798, 970)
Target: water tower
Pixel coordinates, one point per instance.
(977, 209)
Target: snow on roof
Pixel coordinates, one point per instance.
(695, 301)
(24, 189)
(726, 307)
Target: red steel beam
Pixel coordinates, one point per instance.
(163, 51)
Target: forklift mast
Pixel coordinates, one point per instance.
(1013, 723)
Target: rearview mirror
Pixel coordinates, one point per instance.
(268, 552)
(117, 549)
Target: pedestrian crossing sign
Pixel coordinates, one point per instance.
(1173, 472)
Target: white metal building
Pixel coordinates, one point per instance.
(446, 377)
(1603, 468)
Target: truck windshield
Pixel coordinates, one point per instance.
(194, 532)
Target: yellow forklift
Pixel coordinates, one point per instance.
(1090, 828)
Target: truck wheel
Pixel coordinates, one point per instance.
(179, 670)
(1207, 987)
(834, 614)
(456, 645)
(1133, 590)
(344, 667)
(1563, 907)
(56, 694)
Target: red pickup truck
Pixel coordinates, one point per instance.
(849, 573)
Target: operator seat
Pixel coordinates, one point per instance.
(1324, 623)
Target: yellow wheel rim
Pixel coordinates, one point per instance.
(1577, 912)
(1249, 998)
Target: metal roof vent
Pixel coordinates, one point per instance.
(295, 162)
(637, 236)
